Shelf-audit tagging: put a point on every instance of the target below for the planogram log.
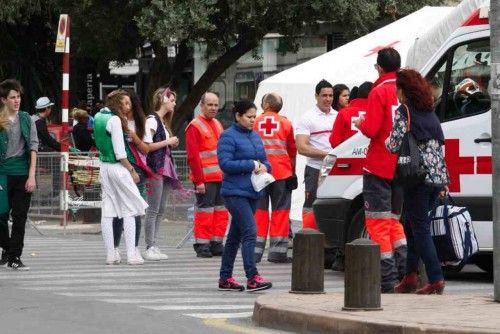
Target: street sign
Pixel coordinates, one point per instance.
(62, 33)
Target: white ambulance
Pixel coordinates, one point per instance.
(461, 69)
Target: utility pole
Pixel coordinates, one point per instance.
(494, 17)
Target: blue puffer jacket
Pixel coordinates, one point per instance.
(237, 150)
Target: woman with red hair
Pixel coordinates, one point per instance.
(416, 108)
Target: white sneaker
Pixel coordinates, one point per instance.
(150, 255)
(138, 253)
(118, 258)
(111, 258)
(161, 256)
(135, 260)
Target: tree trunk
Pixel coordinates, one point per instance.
(214, 70)
(495, 139)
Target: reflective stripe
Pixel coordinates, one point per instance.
(211, 169)
(276, 249)
(279, 239)
(261, 239)
(210, 210)
(275, 151)
(201, 124)
(386, 255)
(219, 208)
(202, 241)
(399, 243)
(208, 154)
(307, 210)
(395, 216)
(382, 214)
(217, 239)
(274, 142)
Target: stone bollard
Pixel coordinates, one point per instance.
(362, 276)
(308, 262)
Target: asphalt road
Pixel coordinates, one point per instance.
(70, 290)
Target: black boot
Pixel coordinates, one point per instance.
(400, 257)
(202, 250)
(338, 262)
(216, 248)
(389, 275)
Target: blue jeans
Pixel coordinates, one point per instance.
(418, 201)
(241, 231)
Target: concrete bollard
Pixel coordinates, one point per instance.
(362, 276)
(308, 262)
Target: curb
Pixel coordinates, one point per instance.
(316, 319)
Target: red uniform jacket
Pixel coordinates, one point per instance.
(276, 132)
(343, 127)
(382, 103)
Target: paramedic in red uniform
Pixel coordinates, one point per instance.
(383, 199)
(276, 132)
(210, 216)
(343, 128)
(312, 134)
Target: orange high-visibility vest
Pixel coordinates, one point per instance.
(208, 148)
(274, 130)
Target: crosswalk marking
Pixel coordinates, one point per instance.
(183, 283)
(220, 315)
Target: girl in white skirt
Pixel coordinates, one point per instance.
(120, 195)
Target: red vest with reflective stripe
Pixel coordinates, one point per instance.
(274, 130)
(208, 148)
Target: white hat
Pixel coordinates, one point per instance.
(43, 103)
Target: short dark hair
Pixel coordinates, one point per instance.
(10, 84)
(364, 89)
(354, 93)
(323, 84)
(241, 107)
(274, 101)
(389, 59)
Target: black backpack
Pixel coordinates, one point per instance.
(408, 171)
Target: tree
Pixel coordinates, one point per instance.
(105, 30)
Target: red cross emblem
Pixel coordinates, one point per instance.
(268, 126)
(457, 165)
(378, 48)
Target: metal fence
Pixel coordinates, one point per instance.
(82, 183)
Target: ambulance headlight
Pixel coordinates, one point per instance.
(326, 167)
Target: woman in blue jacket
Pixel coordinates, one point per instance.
(240, 152)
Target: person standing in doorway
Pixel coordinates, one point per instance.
(210, 216)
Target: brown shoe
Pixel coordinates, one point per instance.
(432, 288)
(408, 284)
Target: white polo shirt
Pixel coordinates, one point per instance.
(318, 126)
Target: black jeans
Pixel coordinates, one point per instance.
(19, 203)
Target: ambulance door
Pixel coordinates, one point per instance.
(460, 86)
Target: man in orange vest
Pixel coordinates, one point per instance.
(277, 135)
(210, 216)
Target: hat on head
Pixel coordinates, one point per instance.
(43, 103)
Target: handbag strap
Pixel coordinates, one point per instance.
(408, 118)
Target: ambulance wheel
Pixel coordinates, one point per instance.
(484, 262)
(357, 227)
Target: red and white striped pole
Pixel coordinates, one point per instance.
(62, 46)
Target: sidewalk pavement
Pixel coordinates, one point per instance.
(402, 313)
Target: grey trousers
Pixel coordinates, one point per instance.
(157, 200)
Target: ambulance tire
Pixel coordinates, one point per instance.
(356, 228)
(484, 262)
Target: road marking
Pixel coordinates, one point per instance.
(220, 315)
(183, 300)
(197, 307)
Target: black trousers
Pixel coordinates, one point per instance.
(19, 203)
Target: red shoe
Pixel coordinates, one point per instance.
(432, 288)
(408, 284)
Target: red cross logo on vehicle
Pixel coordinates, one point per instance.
(378, 48)
(268, 126)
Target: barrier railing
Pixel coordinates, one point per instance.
(69, 183)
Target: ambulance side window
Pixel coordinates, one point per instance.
(466, 82)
